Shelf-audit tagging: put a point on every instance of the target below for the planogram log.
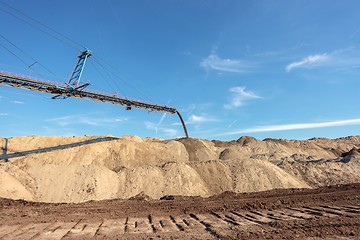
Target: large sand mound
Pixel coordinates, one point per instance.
(78, 169)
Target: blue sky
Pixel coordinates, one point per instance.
(279, 69)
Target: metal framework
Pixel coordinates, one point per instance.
(79, 67)
(74, 80)
(75, 89)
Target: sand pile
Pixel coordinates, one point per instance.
(78, 169)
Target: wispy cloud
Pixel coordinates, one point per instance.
(309, 62)
(274, 128)
(341, 59)
(80, 119)
(239, 97)
(169, 132)
(198, 107)
(56, 131)
(4, 114)
(17, 102)
(196, 119)
(214, 62)
(119, 120)
(279, 52)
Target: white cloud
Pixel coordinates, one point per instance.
(342, 59)
(4, 114)
(195, 119)
(79, 119)
(17, 102)
(274, 128)
(56, 131)
(309, 61)
(121, 119)
(239, 97)
(199, 107)
(169, 132)
(279, 52)
(213, 61)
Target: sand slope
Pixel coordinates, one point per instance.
(82, 168)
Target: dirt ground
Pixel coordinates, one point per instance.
(324, 213)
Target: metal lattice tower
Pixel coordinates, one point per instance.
(75, 77)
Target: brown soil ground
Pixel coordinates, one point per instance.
(323, 213)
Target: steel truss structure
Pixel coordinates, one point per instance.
(74, 89)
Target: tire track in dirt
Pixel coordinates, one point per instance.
(212, 225)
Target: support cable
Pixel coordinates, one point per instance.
(20, 59)
(146, 96)
(111, 75)
(114, 72)
(44, 26)
(12, 53)
(34, 60)
(93, 63)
